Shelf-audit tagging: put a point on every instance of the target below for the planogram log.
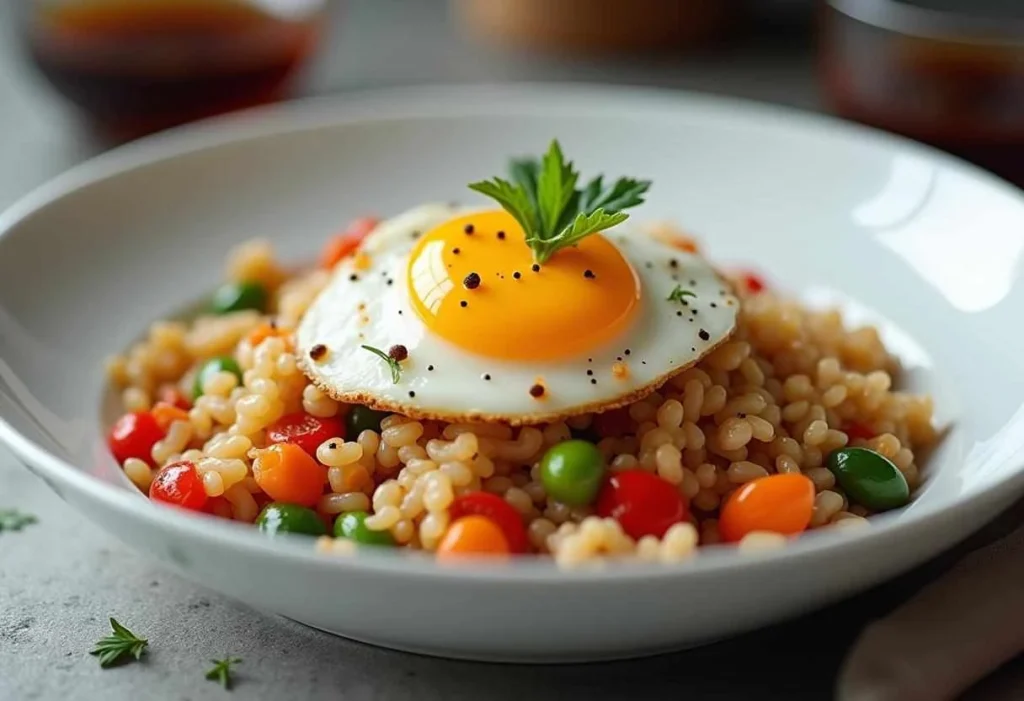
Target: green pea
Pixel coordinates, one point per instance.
(572, 472)
(236, 296)
(361, 418)
(224, 363)
(869, 478)
(352, 526)
(289, 518)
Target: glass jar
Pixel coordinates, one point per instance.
(944, 72)
(136, 66)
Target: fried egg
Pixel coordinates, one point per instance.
(475, 330)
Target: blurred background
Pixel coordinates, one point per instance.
(77, 76)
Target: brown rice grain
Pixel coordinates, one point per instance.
(344, 503)
(139, 473)
(761, 541)
(826, 505)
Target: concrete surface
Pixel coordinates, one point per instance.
(61, 579)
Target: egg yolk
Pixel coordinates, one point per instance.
(473, 282)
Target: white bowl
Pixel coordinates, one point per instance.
(899, 234)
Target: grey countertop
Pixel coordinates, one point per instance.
(61, 579)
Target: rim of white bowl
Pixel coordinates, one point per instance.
(461, 100)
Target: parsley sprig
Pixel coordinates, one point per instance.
(554, 213)
(678, 294)
(396, 368)
(119, 647)
(221, 671)
(14, 520)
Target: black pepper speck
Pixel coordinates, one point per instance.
(517, 275)
(679, 313)
(468, 228)
(593, 382)
(501, 235)
(627, 351)
(704, 335)
(714, 305)
(463, 303)
(332, 445)
(456, 250)
(411, 393)
(673, 263)
(430, 368)
(353, 277)
(318, 351)
(487, 377)
(472, 281)
(590, 372)
(537, 391)
(390, 281)
(535, 268)
(589, 274)
(619, 358)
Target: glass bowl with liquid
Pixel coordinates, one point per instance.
(946, 72)
(137, 66)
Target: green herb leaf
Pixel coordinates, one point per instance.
(396, 368)
(524, 174)
(122, 646)
(555, 187)
(542, 196)
(678, 294)
(14, 520)
(514, 199)
(221, 671)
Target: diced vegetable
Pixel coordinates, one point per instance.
(753, 283)
(778, 503)
(287, 473)
(224, 363)
(856, 430)
(497, 510)
(362, 418)
(180, 484)
(869, 478)
(346, 243)
(261, 333)
(472, 536)
(642, 503)
(236, 296)
(169, 394)
(133, 436)
(305, 430)
(572, 471)
(289, 518)
(166, 414)
(352, 525)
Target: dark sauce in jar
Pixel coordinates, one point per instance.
(135, 66)
(946, 72)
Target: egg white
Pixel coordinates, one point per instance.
(441, 381)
